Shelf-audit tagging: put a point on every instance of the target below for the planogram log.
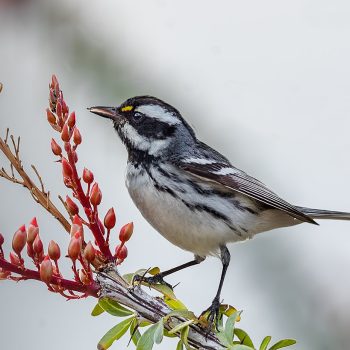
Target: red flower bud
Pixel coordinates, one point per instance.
(54, 251)
(46, 270)
(65, 136)
(110, 219)
(126, 232)
(88, 176)
(59, 108)
(2, 239)
(50, 117)
(14, 259)
(71, 120)
(4, 274)
(66, 168)
(38, 246)
(65, 108)
(75, 157)
(32, 231)
(71, 206)
(54, 81)
(77, 220)
(96, 195)
(77, 136)
(84, 277)
(74, 247)
(121, 252)
(19, 240)
(30, 251)
(89, 253)
(55, 147)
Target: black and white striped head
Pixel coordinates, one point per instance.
(149, 125)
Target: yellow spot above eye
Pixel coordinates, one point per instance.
(127, 108)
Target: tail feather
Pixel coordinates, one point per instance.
(325, 214)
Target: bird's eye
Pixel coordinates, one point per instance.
(137, 117)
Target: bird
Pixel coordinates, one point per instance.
(190, 193)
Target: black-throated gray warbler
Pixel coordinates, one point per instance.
(189, 192)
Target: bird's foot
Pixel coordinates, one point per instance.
(212, 313)
(152, 280)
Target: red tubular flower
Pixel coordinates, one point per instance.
(56, 148)
(88, 176)
(77, 136)
(89, 253)
(46, 270)
(75, 246)
(2, 240)
(110, 219)
(96, 195)
(126, 232)
(65, 136)
(121, 252)
(71, 206)
(71, 120)
(19, 240)
(66, 168)
(54, 251)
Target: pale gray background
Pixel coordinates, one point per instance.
(267, 83)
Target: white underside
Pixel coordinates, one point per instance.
(198, 231)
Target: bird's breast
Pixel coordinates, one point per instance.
(190, 215)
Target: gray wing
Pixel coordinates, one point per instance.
(225, 174)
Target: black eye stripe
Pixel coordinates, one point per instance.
(151, 127)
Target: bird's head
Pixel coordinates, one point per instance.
(147, 124)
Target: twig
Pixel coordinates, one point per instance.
(39, 195)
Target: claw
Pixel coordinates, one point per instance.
(214, 315)
(152, 280)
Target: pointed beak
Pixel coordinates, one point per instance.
(106, 112)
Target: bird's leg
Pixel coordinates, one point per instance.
(213, 309)
(159, 277)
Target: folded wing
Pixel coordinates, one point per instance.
(232, 178)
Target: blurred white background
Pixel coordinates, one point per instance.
(267, 83)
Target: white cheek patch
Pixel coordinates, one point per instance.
(159, 113)
(142, 143)
(135, 138)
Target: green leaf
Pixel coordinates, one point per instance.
(98, 310)
(283, 344)
(181, 313)
(184, 336)
(114, 334)
(159, 331)
(180, 345)
(175, 304)
(114, 308)
(229, 327)
(243, 337)
(147, 338)
(180, 326)
(265, 343)
(134, 332)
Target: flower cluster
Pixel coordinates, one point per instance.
(82, 206)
